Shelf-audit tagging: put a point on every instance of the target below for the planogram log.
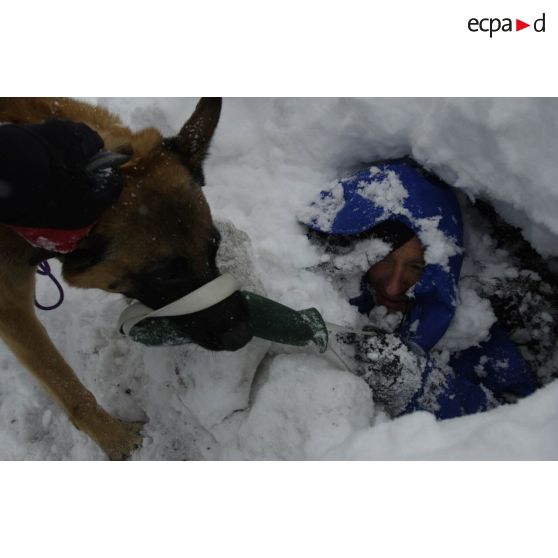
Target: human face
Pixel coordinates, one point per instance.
(393, 276)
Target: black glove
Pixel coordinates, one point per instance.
(45, 179)
(390, 368)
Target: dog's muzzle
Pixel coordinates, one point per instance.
(205, 297)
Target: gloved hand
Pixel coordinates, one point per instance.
(47, 181)
(390, 368)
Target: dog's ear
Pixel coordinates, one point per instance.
(192, 142)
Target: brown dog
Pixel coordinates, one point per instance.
(155, 244)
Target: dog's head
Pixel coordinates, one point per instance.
(158, 242)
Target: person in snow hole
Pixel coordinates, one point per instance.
(407, 225)
(51, 192)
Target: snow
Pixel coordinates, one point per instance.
(526, 430)
(471, 323)
(440, 248)
(269, 158)
(390, 194)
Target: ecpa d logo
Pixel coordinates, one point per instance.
(492, 25)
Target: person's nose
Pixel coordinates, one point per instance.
(394, 285)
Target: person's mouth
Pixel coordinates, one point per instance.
(392, 304)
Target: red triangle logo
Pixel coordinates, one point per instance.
(519, 25)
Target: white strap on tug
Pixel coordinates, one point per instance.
(206, 296)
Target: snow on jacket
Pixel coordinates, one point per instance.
(467, 381)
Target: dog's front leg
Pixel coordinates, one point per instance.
(27, 338)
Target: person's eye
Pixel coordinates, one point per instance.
(418, 268)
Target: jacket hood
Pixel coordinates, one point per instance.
(401, 190)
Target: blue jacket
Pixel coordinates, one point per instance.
(482, 376)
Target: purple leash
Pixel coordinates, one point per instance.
(44, 269)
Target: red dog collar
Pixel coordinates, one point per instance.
(53, 240)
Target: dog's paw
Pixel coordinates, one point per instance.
(125, 438)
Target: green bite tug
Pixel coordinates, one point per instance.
(269, 319)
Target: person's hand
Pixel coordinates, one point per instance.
(70, 144)
(54, 176)
(78, 185)
(390, 368)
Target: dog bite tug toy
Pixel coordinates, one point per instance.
(277, 322)
(269, 319)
